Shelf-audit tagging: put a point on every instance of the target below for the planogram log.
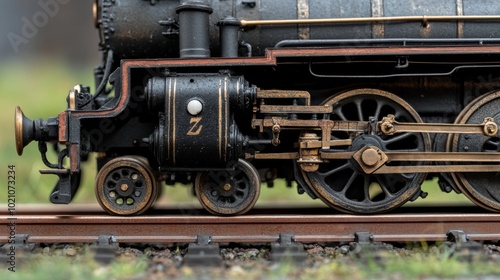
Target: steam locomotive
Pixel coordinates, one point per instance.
(356, 101)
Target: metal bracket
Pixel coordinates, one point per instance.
(465, 249)
(302, 186)
(66, 186)
(365, 245)
(172, 27)
(364, 238)
(287, 249)
(105, 248)
(402, 63)
(276, 132)
(203, 252)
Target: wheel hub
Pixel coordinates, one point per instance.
(366, 140)
(126, 188)
(369, 156)
(227, 190)
(227, 187)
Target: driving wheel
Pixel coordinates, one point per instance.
(341, 183)
(481, 188)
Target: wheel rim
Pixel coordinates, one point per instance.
(229, 193)
(341, 183)
(480, 188)
(126, 186)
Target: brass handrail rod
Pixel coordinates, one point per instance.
(424, 19)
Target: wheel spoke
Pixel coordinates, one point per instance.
(398, 138)
(343, 167)
(366, 189)
(360, 110)
(377, 110)
(349, 183)
(384, 186)
(340, 114)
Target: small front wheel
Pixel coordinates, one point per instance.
(126, 186)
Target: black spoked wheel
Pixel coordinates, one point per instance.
(481, 188)
(126, 186)
(342, 184)
(229, 192)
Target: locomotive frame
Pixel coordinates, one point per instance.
(312, 111)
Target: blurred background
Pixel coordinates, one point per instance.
(62, 30)
(46, 48)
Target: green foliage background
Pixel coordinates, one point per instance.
(40, 89)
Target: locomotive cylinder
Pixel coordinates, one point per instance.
(197, 126)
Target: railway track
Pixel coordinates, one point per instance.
(86, 225)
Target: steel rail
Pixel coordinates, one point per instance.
(311, 225)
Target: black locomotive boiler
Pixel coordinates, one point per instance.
(357, 101)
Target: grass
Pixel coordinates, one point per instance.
(416, 267)
(40, 89)
(58, 266)
(419, 263)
